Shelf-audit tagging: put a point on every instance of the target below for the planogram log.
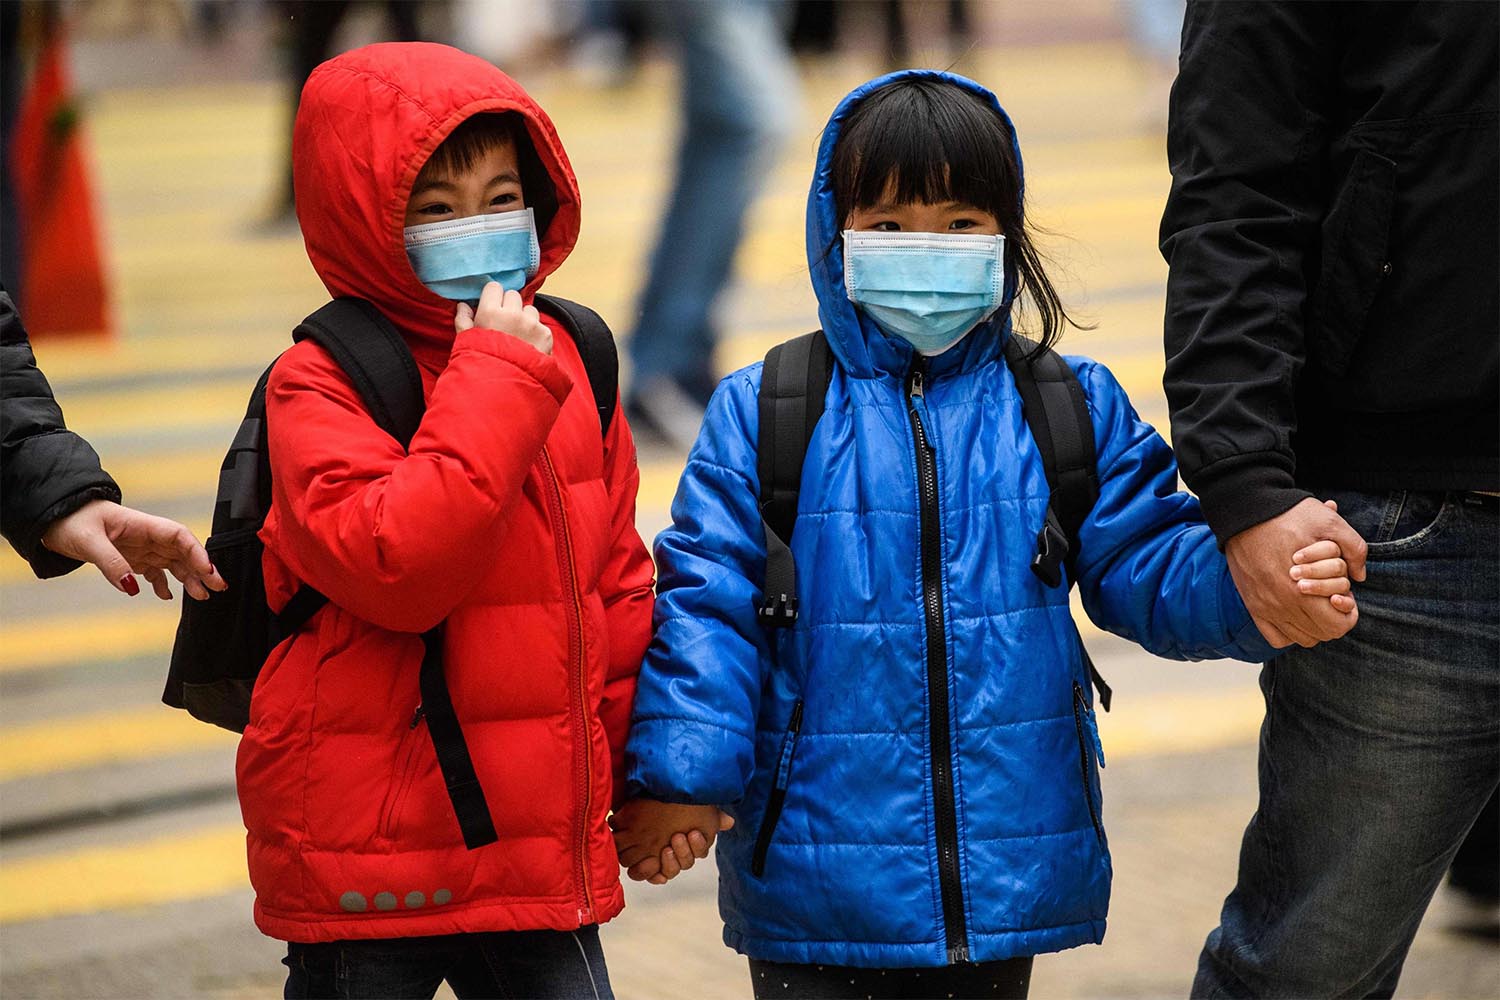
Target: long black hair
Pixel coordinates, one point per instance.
(933, 141)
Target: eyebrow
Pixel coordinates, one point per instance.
(434, 183)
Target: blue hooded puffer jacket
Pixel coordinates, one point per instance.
(874, 861)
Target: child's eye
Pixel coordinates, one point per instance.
(436, 208)
(503, 199)
(961, 224)
(886, 227)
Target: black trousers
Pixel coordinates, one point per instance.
(1010, 979)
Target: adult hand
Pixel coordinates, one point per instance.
(1259, 558)
(504, 311)
(123, 542)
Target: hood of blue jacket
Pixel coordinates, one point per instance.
(862, 349)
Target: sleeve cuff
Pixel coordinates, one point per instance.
(545, 368)
(1245, 494)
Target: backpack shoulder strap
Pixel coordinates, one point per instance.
(1057, 414)
(376, 359)
(596, 345)
(793, 387)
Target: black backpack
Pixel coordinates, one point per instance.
(793, 385)
(222, 642)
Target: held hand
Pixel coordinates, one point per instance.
(122, 542)
(658, 840)
(1321, 572)
(504, 311)
(1258, 560)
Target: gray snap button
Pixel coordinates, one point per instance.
(353, 902)
(385, 901)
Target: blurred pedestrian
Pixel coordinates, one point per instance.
(60, 509)
(311, 27)
(739, 98)
(1333, 328)
(911, 765)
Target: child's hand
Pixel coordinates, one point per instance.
(657, 841)
(503, 311)
(1320, 571)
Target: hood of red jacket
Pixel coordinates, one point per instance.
(368, 120)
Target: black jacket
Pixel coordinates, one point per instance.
(1332, 315)
(46, 471)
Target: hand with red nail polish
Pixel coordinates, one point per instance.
(123, 542)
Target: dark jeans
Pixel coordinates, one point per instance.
(538, 965)
(1010, 978)
(1377, 753)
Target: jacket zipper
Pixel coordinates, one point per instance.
(777, 798)
(582, 765)
(1080, 708)
(403, 776)
(930, 540)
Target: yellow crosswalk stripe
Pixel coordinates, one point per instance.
(143, 627)
(102, 738)
(164, 870)
(212, 861)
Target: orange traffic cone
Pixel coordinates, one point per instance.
(62, 286)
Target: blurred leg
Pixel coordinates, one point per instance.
(739, 100)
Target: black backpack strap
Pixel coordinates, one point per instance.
(596, 345)
(375, 357)
(464, 790)
(793, 387)
(1057, 413)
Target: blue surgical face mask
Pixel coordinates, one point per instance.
(929, 289)
(456, 258)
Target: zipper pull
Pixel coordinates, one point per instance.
(916, 384)
(416, 717)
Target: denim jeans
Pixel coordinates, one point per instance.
(739, 101)
(547, 965)
(1377, 753)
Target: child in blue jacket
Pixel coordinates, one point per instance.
(927, 725)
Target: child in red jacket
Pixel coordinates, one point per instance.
(430, 184)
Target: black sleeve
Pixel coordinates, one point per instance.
(46, 471)
(1246, 137)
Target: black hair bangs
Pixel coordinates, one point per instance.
(925, 141)
(475, 136)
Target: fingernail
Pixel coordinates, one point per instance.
(1296, 572)
(129, 585)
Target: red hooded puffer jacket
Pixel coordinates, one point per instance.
(509, 519)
